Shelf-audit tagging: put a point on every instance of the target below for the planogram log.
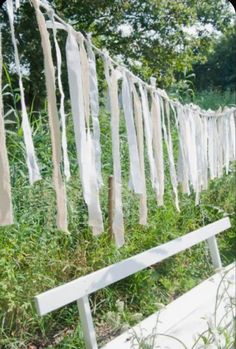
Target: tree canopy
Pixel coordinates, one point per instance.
(154, 37)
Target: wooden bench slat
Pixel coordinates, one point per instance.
(85, 285)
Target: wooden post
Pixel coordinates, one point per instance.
(110, 205)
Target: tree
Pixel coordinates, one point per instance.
(157, 42)
(220, 69)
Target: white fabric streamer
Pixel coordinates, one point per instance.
(183, 168)
(17, 4)
(6, 212)
(136, 182)
(112, 77)
(168, 140)
(62, 106)
(140, 139)
(94, 105)
(34, 173)
(157, 144)
(204, 155)
(148, 136)
(54, 125)
(80, 113)
(232, 128)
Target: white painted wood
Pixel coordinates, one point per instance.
(85, 285)
(87, 323)
(214, 251)
(185, 318)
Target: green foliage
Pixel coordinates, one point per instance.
(220, 69)
(157, 44)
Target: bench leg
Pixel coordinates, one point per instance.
(214, 251)
(87, 323)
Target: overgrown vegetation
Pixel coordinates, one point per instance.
(34, 256)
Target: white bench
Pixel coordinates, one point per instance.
(181, 319)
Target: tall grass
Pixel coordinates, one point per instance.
(34, 256)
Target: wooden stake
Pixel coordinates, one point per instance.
(110, 205)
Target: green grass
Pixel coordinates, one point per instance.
(34, 256)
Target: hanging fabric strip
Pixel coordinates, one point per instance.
(215, 145)
(136, 182)
(233, 136)
(157, 143)
(94, 105)
(165, 110)
(227, 148)
(34, 174)
(53, 121)
(139, 127)
(220, 135)
(112, 77)
(95, 214)
(148, 135)
(17, 4)
(198, 139)
(62, 106)
(225, 144)
(191, 147)
(6, 214)
(205, 154)
(76, 62)
(210, 147)
(183, 168)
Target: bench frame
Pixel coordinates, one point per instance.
(80, 289)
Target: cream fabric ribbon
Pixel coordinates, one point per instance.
(62, 104)
(31, 160)
(232, 128)
(205, 154)
(136, 182)
(138, 119)
(183, 167)
(165, 111)
(54, 125)
(157, 144)
(94, 106)
(112, 77)
(95, 214)
(199, 154)
(148, 136)
(211, 144)
(6, 214)
(78, 74)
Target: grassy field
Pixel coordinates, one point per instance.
(34, 256)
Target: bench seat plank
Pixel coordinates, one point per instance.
(185, 318)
